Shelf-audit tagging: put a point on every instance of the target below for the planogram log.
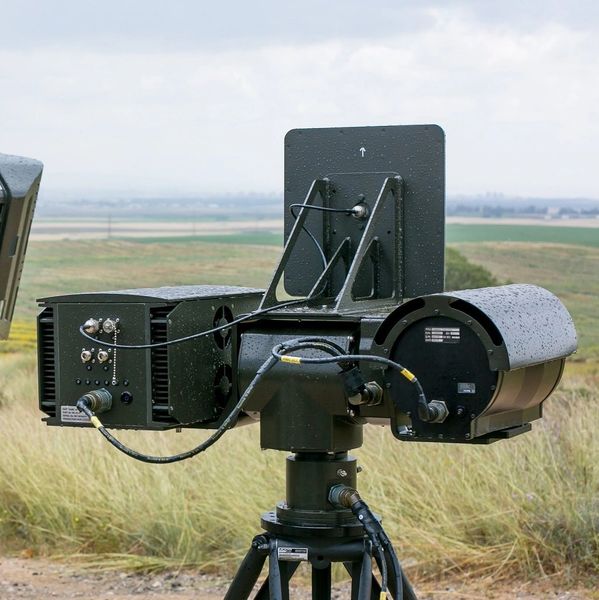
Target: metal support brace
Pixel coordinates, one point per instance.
(368, 248)
(318, 188)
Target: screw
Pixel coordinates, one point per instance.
(341, 473)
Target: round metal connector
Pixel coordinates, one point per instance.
(438, 411)
(98, 401)
(371, 395)
(109, 326)
(91, 326)
(103, 356)
(343, 496)
(86, 356)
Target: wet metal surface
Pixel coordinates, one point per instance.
(534, 324)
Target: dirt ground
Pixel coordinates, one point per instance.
(35, 579)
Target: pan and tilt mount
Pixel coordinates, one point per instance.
(368, 337)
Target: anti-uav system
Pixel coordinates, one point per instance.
(354, 328)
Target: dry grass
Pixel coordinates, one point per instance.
(526, 507)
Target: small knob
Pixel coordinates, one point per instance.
(109, 326)
(103, 356)
(86, 356)
(91, 326)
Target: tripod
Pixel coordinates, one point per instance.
(306, 528)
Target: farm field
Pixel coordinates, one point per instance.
(525, 510)
(498, 232)
(583, 232)
(94, 229)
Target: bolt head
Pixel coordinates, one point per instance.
(341, 473)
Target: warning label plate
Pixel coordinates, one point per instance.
(442, 335)
(292, 554)
(71, 414)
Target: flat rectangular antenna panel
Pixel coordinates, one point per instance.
(19, 184)
(356, 161)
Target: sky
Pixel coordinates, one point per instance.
(193, 98)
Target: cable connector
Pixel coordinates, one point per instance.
(96, 401)
(346, 497)
(343, 496)
(435, 411)
(358, 390)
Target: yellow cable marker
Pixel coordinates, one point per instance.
(383, 596)
(408, 374)
(96, 422)
(293, 360)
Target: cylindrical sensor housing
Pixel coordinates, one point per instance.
(492, 355)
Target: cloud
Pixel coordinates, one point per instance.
(519, 107)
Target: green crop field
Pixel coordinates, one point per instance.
(579, 236)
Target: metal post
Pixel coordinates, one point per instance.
(321, 583)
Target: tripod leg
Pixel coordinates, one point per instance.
(249, 571)
(362, 578)
(408, 590)
(321, 583)
(276, 590)
(264, 592)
